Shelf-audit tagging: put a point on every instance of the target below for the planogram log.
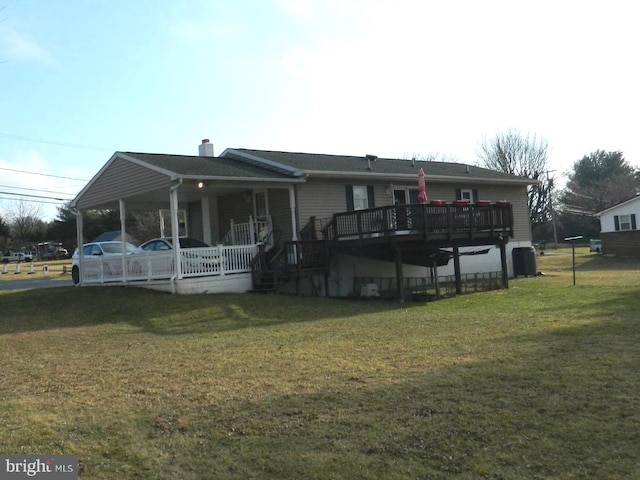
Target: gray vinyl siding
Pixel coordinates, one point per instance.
(324, 198)
(236, 206)
(120, 180)
(278, 200)
(517, 195)
(194, 217)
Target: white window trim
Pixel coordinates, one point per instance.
(625, 225)
(360, 197)
(466, 194)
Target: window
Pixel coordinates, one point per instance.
(625, 222)
(359, 197)
(466, 194)
(165, 223)
(402, 196)
(469, 194)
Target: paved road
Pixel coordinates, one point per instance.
(35, 283)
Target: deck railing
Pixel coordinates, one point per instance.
(431, 221)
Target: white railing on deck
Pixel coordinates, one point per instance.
(194, 262)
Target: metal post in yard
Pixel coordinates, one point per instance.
(573, 253)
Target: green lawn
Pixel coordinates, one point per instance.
(537, 381)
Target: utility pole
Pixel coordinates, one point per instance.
(553, 212)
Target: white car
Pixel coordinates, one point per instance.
(154, 257)
(101, 258)
(16, 257)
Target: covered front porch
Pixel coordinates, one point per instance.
(225, 205)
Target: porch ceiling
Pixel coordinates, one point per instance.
(187, 192)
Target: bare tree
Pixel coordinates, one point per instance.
(525, 156)
(431, 157)
(24, 220)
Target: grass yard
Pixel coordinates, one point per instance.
(537, 381)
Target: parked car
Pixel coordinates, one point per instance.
(595, 245)
(16, 257)
(58, 254)
(156, 251)
(109, 251)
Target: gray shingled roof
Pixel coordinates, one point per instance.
(265, 164)
(188, 165)
(310, 163)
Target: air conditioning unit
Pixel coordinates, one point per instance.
(369, 290)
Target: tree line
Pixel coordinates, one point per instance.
(22, 228)
(597, 181)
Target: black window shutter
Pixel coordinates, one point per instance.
(458, 194)
(633, 221)
(371, 196)
(348, 190)
(475, 195)
(616, 220)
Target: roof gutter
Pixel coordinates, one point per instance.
(300, 179)
(411, 177)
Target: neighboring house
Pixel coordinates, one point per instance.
(115, 235)
(619, 228)
(322, 221)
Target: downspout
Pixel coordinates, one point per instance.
(173, 202)
(294, 229)
(292, 206)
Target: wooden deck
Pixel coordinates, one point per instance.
(436, 225)
(412, 234)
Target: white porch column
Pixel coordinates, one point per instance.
(292, 206)
(175, 233)
(123, 234)
(206, 220)
(80, 242)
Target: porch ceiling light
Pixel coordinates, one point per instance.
(201, 184)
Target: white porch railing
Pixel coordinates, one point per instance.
(249, 233)
(194, 262)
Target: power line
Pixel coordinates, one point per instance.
(32, 201)
(43, 174)
(51, 142)
(36, 190)
(35, 196)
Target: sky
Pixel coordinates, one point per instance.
(81, 79)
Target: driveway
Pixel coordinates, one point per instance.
(34, 283)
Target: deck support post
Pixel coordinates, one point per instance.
(503, 261)
(456, 268)
(326, 284)
(435, 276)
(399, 275)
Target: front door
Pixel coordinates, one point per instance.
(399, 199)
(260, 205)
(262, 225)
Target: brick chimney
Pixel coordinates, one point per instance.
(205, 149)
